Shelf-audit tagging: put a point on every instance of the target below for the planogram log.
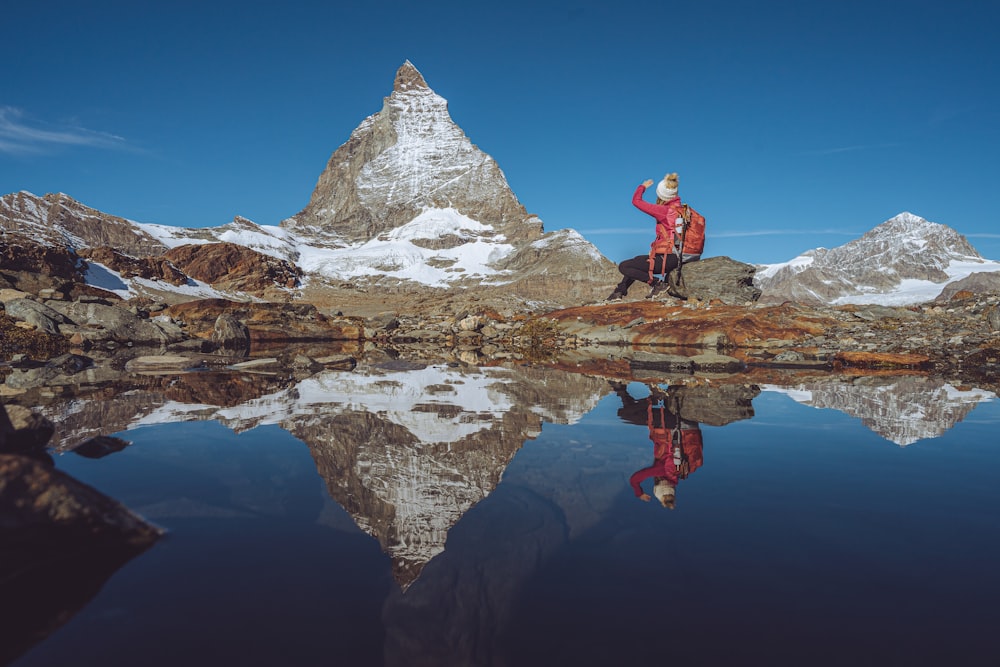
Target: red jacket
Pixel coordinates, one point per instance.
(660, 468)
(666, 218)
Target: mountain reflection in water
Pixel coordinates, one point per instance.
(504, 500)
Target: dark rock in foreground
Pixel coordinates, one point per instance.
(59, 538)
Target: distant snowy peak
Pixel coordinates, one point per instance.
(904, 260)
(908, 235)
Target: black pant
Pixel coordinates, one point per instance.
(637, 268)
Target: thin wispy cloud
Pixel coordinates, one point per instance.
(752, 232)
(847, 149)
(20, 135)
(785, 232)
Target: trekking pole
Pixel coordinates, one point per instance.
(676, 289)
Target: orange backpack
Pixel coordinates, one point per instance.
(692, 238)
(694, 232)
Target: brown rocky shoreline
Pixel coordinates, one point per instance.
(958, 338)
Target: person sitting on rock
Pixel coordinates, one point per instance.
(663, 257)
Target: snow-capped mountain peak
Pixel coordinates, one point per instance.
(904, 260)
(408, 203)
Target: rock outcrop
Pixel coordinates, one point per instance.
(265, 322)
(976, 283)
(721, 278)
(153, 268)
(229, 266)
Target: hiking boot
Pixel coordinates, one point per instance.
(657, 287)
(615, 296)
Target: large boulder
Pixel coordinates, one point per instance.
(976, 283)
(94, 321)
(42, 508)
(721, 278)
(21, 257)
(23, 431)
(35, 343)
(38, 315)
(60, 541)
(231, 334)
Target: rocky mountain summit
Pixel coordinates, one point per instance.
(409, 201)
(408, 158)
(905, 260)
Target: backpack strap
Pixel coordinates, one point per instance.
(652, 265)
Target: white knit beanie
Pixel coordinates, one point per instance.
(665, 493)
(667, 188)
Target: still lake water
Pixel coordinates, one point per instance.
(449, 516)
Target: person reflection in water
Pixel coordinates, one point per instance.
(677, 444)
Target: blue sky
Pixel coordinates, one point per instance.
(793, 124)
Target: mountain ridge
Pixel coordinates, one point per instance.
(408, 205)
(904, 260)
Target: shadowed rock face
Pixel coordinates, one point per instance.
(19, 255)
(51, 587)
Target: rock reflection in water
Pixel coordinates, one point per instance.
(406, 448)
(902, 410)
(82, 412)
(408, 453)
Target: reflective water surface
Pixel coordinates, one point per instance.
(411, 514)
